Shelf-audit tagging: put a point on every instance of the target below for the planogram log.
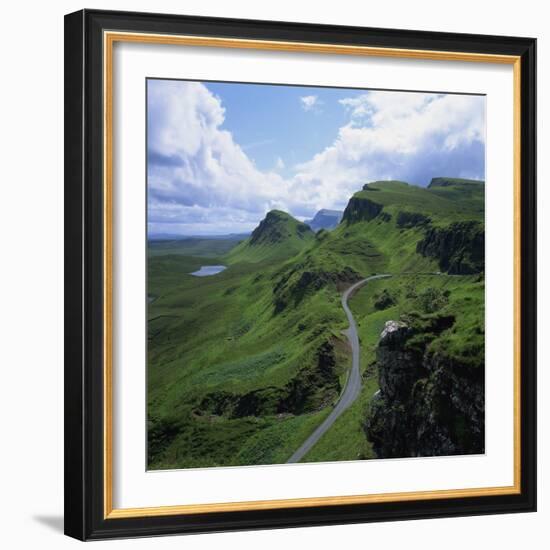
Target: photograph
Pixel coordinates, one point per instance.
(299, 273)
(315, 282)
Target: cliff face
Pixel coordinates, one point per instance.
(361, 209)
(429, 403)
(297, 283)
(459, 248)
(407, 220)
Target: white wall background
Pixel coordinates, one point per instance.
(31, 232)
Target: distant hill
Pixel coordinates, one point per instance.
(203, 247)
(278, 236)
(156, 237)
(325, 219)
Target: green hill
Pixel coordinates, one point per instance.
(452, 182)
(278, 236)
(382, 227)
(470, 193)
(445, 199)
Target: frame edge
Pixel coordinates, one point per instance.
(74, 270)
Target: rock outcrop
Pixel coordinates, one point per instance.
(360, 209)
(459, 248)
(303, 280)
(384, 300)
(429, 403)
(407, 220)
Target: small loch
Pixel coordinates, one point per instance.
(208, 270)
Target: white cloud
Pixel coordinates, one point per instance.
(399, 135)
(358, 106)
(310, 102)
(198, 175)
(201, 180)
(194, 163)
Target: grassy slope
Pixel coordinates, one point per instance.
(346, 440)
(457, 202)
(396, 248)
(220, 333)
(470, 193)
(379, 246)
(232, 342)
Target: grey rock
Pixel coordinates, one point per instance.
(429, 404)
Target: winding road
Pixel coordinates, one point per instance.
(353, 383)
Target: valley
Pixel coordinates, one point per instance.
(246, 364)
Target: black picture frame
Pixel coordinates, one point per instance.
(84, 281)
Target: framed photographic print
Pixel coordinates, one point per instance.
(300, 274)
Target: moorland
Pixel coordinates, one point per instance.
(245, 365)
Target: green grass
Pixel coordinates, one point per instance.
(257, 328)
(279, 236)
(220, 334)
(208, 442)
(277, 442)
(458, 202)
(465, 302)
(346, 439)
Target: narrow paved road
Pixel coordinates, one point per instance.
(353, 383)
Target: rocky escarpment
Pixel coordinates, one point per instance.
(407, 220)
(459, 248)
(294, 284)
(360, 209)
(429, 403)
(313, 387)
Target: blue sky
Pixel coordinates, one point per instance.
(220, 155)
(271, 122)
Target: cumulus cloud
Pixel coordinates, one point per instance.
(310, 102)
(399, 135)
(201, 181)
(194, 164)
